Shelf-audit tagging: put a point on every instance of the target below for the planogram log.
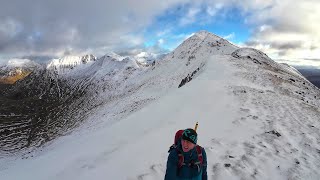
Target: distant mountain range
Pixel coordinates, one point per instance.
(312, 74)
(53, 98)
(17, 69)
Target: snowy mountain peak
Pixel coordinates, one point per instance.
(202, 34)
(21, 63)
(113, 56)
(72, 60)
(66, 63)
(245, 52)
(205, 34)
(87, 58)
(207, 42)
(114, 61)
(17, 62)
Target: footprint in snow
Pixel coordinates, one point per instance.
(156, 171)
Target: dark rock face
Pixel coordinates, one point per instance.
(86, 58)
(38, 109)
(274, 132)
(188, 78)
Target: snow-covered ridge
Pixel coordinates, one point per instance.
(114, 56)
(143, 58)
(20, 63)
(70, 61)
(262, 59)
(67, 63)
(203, 34)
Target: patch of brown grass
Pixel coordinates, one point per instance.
(14, 78)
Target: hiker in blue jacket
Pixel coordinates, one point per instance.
(187, 160)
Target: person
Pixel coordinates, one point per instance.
(185, 162)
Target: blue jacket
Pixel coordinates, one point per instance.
(186, 172)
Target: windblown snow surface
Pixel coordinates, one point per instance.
(257, 120)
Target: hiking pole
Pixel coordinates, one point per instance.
(196, 127)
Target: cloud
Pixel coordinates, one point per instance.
(155, 49)
(230, 36)
(51, 27)
(285, 35)
(160, 41)
(286, 44)
(190, 17)
(310, 63)
(9, 28)
(214, 9)
(163, 32)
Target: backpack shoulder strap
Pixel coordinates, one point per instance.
(173, 146)
(180, 155)
(199, 152)
(180, 159)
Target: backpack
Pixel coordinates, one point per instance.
(180, 155)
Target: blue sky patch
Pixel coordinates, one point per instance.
(170, 28)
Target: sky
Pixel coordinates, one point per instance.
(284, 29)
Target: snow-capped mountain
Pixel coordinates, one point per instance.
(257, 119)
(114, 56)
(68, 63)
(22, 63)
(16, 69)
(61, 96)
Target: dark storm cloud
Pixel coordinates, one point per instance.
(50, 27)
(286, 45)
(277, 44)
(313, 59)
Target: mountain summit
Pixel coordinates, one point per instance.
(63, 65)
(258, 119)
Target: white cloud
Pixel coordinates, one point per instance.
(163, 33)
(132, 40)
(213, 10)
(287, 30)
(190, 17)
(160, 41)
(182, 36)
(230, 36)
(315, 63)
(264, 27)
